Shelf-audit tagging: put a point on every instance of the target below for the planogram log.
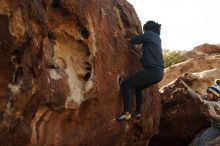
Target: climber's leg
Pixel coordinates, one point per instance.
(140, 80)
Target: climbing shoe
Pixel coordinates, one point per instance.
(136, 114)
(123, 117)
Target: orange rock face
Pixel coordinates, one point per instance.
(61, 62)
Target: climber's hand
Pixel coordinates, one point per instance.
(129, 35)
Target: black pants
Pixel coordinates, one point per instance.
(139, 81)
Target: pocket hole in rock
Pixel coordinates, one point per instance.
(87, 76)
(18, 75)
(84, 32)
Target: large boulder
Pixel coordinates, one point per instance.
(181, 117)
(61, 64)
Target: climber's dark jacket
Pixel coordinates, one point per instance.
(152, 52)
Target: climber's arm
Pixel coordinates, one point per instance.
(137, 39)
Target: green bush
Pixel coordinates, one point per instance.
(173, 57)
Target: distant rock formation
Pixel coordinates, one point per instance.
(203, 57)
(61, 63)
(181, 117)
(190, 66)
(205, 49)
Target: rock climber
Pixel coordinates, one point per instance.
(152, 72)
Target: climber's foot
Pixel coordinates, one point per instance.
(124, 117)
(136, 114)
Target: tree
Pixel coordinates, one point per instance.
(173, 57)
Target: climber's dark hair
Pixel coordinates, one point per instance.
(152, 26)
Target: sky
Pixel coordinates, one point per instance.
(185, 23)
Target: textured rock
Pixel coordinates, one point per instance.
(192, 65)
(181, 117)
(61, 62)
(205, 49)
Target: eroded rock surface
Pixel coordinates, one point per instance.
(61, 62)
